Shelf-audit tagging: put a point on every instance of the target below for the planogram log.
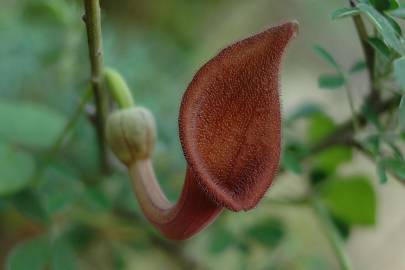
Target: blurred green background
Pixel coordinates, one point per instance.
(67, 215)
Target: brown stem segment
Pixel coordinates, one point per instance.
(192, 213)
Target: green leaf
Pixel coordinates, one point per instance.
(401, 111)
(54, 180)
(269, 232)
(119, 258)
(397, 152)
(3, 204)
(32, 254)
(30, 205)
(371, 115)
(63, 256)
(323, 53)
(372, 143)
(399, 13)
(46, 12)
(29, 124)
(382, 175)
(385, 4)
(330, 159)
(221, 240)
(293, 152)
(379, 46)
(342, 227)
(331, 81)
(358, 66)
(81, 236)
(396, 166)
(384, 27)
(394, 25)
(317, 176)
(352, 199)
(344, 12)
(40, 253)
(97, 200)
(399, 71)
(320, 126)
(291, 162)
(16, 169)
(303, 111)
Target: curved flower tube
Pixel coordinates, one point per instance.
(230, 131)
(193, 211)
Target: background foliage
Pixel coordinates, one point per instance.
(59, 211)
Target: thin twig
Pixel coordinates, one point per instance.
(288, 201)
(333, 235)
(371, 157)
(344, 132)
(369, 54)
(93, 25)
(355, 121)
(65, 132)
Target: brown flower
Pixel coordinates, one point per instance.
(230, 131)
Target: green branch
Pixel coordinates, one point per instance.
(348, 88)
(344, 133)
(93, 25)
(369, 54)
(332, 234)
(371, 157)
(67, 129)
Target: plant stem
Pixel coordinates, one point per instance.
(332, 234)
(95, 44)
(369, 54)
(356, 125)
(288, 201)
(371, 157)
(62, 136)
(343, 134)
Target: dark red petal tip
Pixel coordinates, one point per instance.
(230, 119)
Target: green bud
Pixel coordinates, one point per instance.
(118, 88)
(131, 134)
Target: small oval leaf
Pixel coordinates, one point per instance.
(352, 199)
(32, 254)
(16, 169)
(29, 124)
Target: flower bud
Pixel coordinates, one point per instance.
(131, 134)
